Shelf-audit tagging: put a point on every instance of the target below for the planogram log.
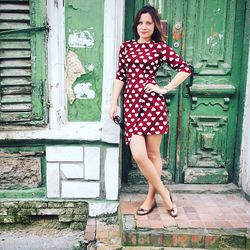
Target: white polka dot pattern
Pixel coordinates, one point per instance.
(145, 114)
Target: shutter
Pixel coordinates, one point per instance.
(22, 62)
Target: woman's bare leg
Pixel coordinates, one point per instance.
(140, 155)
(153, 143)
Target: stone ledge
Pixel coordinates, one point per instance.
(72, 213)
(212, 239)
(188, 188)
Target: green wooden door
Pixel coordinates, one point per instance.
(208, 34)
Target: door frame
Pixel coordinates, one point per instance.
(242, 89)
(241, 101)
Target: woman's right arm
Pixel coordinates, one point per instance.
(117, 88)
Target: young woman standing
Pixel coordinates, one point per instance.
(144, 104)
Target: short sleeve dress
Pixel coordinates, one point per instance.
(145, 113)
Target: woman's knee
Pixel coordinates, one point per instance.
(139, 157)
(154, 155)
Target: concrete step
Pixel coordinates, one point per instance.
(204, 221)
(187, 188)
(159, 248)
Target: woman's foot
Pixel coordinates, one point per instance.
(147, 207)
(171, 207)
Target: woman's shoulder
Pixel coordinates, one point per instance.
(163, 44)
(128, 43)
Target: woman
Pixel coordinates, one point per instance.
(144, 105)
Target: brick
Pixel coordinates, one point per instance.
(90, 228)
(80, 210)
(167, 240)
(129, 238)
(89, 236)
(143, 239)
(198, 241)
(181, 240)
(70, 204)
(129, 222)
(142, 224)
(91, 221)
(81, 204)
(3, 211)
(102, 235)
(27, 211)
(65, 218)
(64, 153)
(196, 224)
(211, 241)
(50, 211)
(157, 239)
(68, 210)
(8, 219)
(225, 241)
(58, 204)
(40, 204)
(81, 218)
(183, 223)
(156, 224)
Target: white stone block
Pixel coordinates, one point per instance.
(64, 153)
(110, 130)
(72, 170)
(77, 189)
(92, 163)
(111, 174)
(53, 180)
(98, 208)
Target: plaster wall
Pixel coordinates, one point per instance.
(89, 167)
(245, 147)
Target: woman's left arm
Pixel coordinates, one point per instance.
(169, 56)
(175, 82)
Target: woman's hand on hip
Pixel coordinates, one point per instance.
(155, 88)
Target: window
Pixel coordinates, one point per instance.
(22, 62)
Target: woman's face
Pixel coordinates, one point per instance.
(145, 27)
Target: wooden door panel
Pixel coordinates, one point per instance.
(211, 111)
(202, 125)
(211, 35)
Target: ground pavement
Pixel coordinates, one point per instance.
(206, 220)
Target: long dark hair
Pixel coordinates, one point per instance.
(158, 34)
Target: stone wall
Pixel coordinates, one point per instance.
(82, 172)
(70, 213)
(21, 172)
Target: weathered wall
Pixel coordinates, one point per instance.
(84, 43)
(81, 143)
(21, 167)
(245, 147)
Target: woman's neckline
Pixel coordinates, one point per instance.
(143, 42)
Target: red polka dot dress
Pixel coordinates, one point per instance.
(145, 113)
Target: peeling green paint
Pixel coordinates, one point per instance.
(84, 36)
(22, 94)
